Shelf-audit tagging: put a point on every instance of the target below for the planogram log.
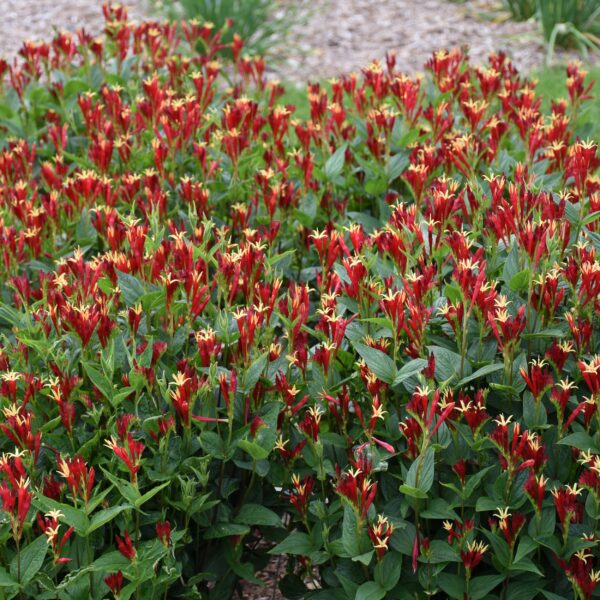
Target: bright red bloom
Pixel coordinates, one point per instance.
(125, 546)
(115, 583)
(380, 533)
(79, 478)
(163, 532)
(472, 555)
(130, 455)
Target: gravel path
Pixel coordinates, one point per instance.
(339, 36)
(332, 36)
(35, 19)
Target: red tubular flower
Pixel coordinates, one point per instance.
(18, 428)
(460, 468)
(568, 508)
(163, 532)
(591, 373)
(49, 524)
(457, 530)
(123, 424)
(358, 489)
(510, 525)
(535, 488)
(14, 494)
(311, 424)
(472, 555)
(473, 411)
(300, 497)
(579, 571)
(539, 379)
(380, 533)
(506, 329)
(79, 479)
(590, 478)
(115, 583)
(125, 546)
(228, 389)
(428, 414)
(52, 488)
(131, 455)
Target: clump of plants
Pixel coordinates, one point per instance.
(566, 23)
(264, 25)
(365, 341)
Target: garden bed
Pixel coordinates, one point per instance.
(352, 348)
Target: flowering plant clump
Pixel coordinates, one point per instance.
(366, 341)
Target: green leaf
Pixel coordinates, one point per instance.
(297, 543)
(32, 559)
(486, 370)
(256, 451)
(475, 480)
(378, 362)
(413, 492)
(396, 166)
(534, 413)
(365, 558)
(387, 570)
(131, 288)
(126, 489)
(526, 546)
(511, 264)
(150, 494)
(441, 552)
(520, 281)
(410, 369)
(544, 333)
(71, 516)
(453, 585)
(420, 474)
(335, 163)
(100, 381)
(370, 590)
(350, 532)
(6, 579)
(481, 586)
(221, 530)
(105, 516)
(253, 373)
(447, 364)
(439, 509)
(256, 514)
(525, 564)
(581, 441)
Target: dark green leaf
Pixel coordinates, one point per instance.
(256, 514)
(335, 163)
(32, 559)
(297, 543)
(378, 362)
(370, 590)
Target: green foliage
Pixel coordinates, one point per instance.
(360, 338)
(521, 10)
(582, 15)
(262, 24)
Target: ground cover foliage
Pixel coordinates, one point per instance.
(365, 340)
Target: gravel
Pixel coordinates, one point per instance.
(36, 19)
(341, 36)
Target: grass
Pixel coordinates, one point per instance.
(551, 84)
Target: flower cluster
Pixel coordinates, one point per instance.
(229, 332)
